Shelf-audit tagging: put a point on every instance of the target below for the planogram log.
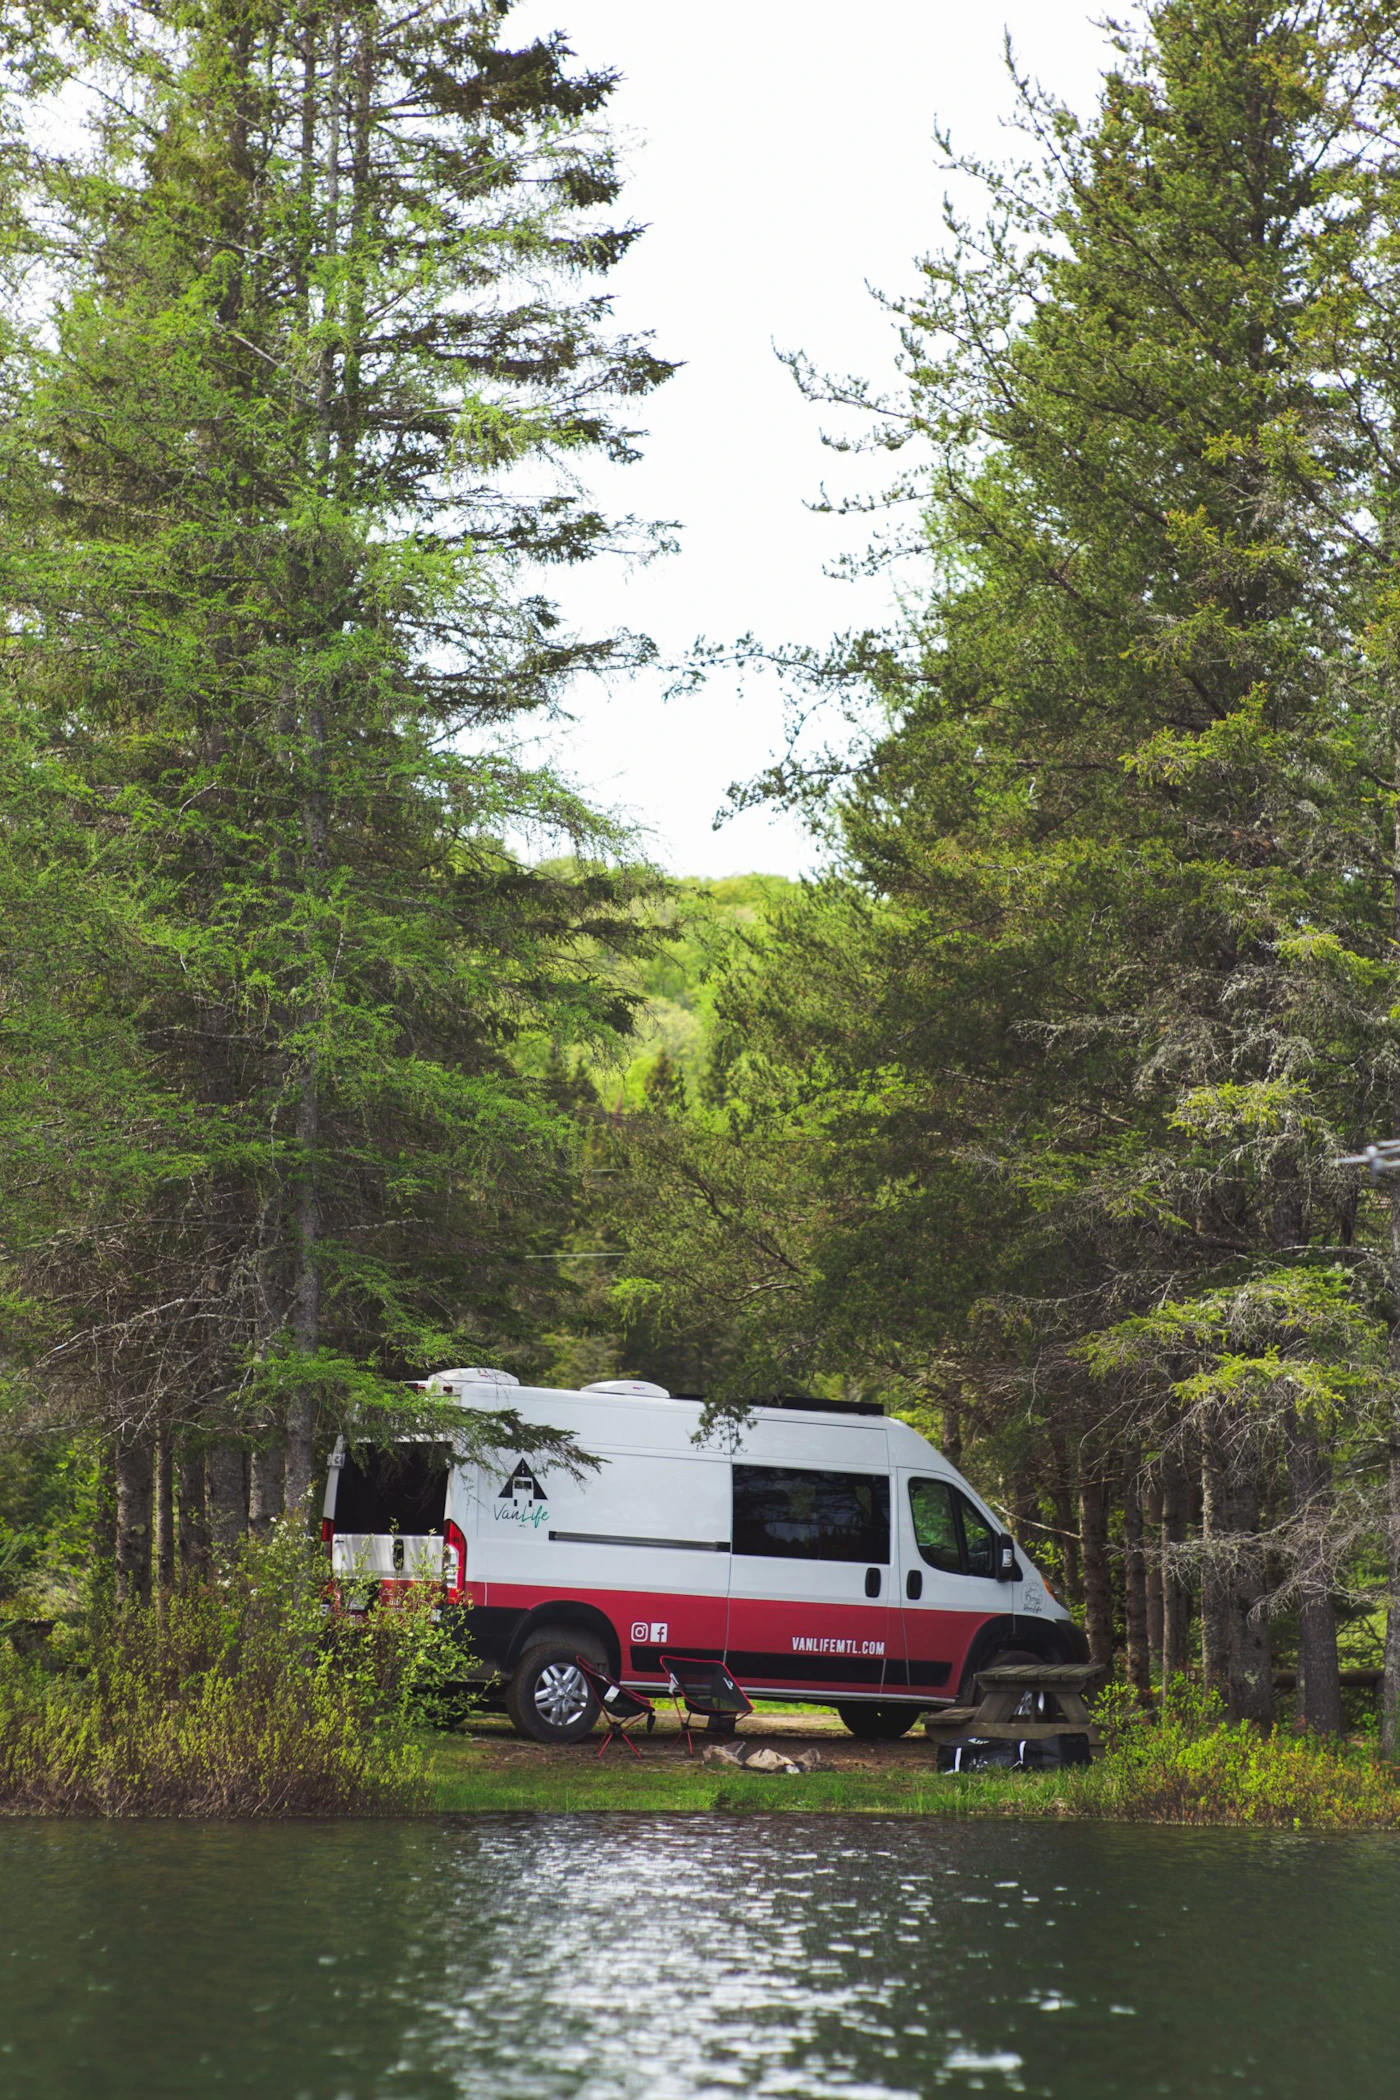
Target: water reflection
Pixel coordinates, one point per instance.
(611, 1958)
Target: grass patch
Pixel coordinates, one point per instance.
(467, 1778)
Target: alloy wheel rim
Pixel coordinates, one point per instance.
(561, 1694)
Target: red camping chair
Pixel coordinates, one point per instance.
(619, 1706)
(707, 1688)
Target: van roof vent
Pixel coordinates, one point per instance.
(629, 1389)
(474, 1374)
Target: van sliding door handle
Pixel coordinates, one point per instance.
(914, 1583)
(872, 1582)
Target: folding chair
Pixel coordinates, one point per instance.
(619, 1706)
(707, 1688)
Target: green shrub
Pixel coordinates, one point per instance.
(1189, 1765)
(242, 1698)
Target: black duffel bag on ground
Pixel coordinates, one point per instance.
(980, 1753)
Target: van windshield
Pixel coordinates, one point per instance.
(401, 1489)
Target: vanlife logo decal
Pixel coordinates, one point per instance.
(521, 1500)
(816, 1644)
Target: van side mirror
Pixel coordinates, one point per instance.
(1008, 1569)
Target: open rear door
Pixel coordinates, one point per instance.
(390, 1513)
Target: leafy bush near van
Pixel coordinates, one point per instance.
(241, 1698)
(1189, 1765)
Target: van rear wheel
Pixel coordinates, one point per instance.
(548, 1697)
(878, 1724)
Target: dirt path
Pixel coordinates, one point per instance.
(498, 1746)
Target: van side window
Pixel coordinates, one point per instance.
(783, 1513)
(949, 1533)
(979, 1540)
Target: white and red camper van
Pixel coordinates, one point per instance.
(831, 1555)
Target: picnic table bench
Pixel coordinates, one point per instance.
(1025, 1702)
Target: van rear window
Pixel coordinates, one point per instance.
(401, 1489)
(783, 1513)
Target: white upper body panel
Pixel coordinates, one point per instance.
(655, 1482)
(684, 1493)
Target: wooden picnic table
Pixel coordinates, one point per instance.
(1057, 1706)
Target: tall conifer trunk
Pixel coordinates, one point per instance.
(135, 1470)
(266, 1484)
(1066, 1527)
(1176, 1597)
(1251, 1691)
(104, 1525)
(1098, 1575)
(1390, 1688)
(164, 1513)
(1216, 1545)
(315, 839)
(1155, 1578)
(1319, 1684)
(194, 1513)
(1137, 1640)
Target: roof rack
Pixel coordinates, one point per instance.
(823, 1407)
(802, 1400)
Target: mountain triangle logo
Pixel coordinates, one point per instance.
(521, 1483)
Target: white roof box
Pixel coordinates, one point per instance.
(475, 1374)
(629, 1389)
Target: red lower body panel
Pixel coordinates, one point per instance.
(934, 1646)
(774, 1648)
(778, 1646)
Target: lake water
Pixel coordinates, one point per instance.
(689, 1958)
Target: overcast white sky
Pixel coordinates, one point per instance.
(781, 154)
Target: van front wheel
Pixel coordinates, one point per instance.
(878, 1724)
(549, 1697)
(1031, 1705)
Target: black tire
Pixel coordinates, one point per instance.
(549, 1698)
(878, 1724)
(1004, 1659)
